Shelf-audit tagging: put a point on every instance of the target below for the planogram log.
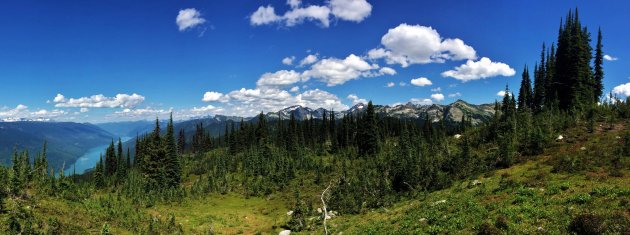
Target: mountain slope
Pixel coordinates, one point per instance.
(127, 129)
(67, 141)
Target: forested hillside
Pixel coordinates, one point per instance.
(67, 141)
(554, 159)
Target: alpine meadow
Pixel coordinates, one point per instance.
(314, 117)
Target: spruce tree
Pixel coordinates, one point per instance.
(98, 173)
(539, 83)
(17, 179)
(111, 161)
(525, 92)
(181, 141)
(368, 132)
(551, 95)
(173, 165)
(122, 161)
(154, 160)
(598, 76)
(573, 73)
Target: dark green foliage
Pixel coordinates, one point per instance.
(525, 96)
(172, 165)
(502, 223)
(598, 75)
(99, 178)
(105, 229)
(488, 229)
(368, 132)
(181, 141)
(573, 77)
(154, 156)
(507, 130)
(540, 81)
(587, 224)
(4, 176)
(111, 160)
(298, 217)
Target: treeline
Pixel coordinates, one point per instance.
(566, 78)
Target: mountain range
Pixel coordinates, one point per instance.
(449, 113)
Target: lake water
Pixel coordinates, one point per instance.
(89, 159)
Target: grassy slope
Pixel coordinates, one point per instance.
(528, 195)
(227, 214)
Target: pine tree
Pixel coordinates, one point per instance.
(181, 141)
(154, 160)
(111, 161)
(128, 158)
(507, 130)
(573, 73)
(122, 161)
(598, 76)
(551, 95)
(261, 129)
(333, 132)
(539, 83)
(525, 92)
(17, 179)
(138, 157)
(368, 132)
(98, 173)
(173, 165)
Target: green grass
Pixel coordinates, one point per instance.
(227, 214)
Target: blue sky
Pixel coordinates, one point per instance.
(128, 60)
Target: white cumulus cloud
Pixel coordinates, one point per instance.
(387, 71)
(59, 98)
(501, 93)
(610, 58)
(211, 96)
(417, 44)
(391, 84)
(288, 60)
(483, 68)
(623, 89)
(333, 71)
(264, 15)
(349, 10)
(421, 81)
(188, 18)
(100, 101)
(437, 97)
(356, 100)
(309, 59)
(279, 78)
